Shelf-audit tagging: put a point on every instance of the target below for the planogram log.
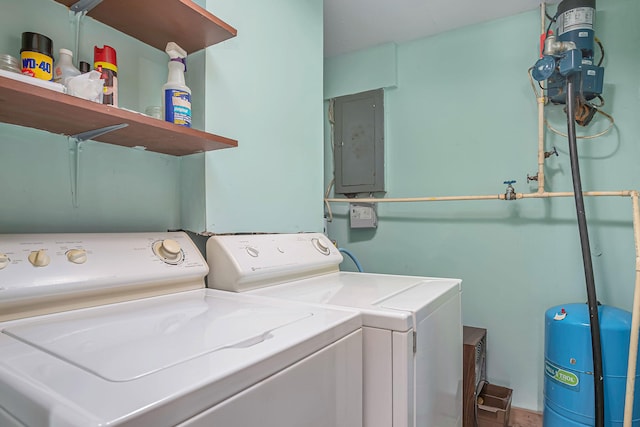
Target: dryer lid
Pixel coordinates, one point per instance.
(385, 301)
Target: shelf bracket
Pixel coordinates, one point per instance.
(76, 17)
(75, 148)
(84, 5)
(90, 134)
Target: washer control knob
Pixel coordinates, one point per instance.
(4, 260)
(169, 250)
(77, 256)
(39, 258)
(321, 247)
(253, 251)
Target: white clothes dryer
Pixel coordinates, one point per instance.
(90, 343)
(412, 327)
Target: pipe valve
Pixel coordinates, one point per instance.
(553, 46)
(532, 178)
(510, 193)
(548, 154)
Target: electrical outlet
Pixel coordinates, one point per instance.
(363, 215)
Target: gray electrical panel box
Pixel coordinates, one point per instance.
(359, 142)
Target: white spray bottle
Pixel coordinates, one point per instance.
(176, 96)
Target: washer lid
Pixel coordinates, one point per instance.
(54, 380)
(122, 343)
(385, 300)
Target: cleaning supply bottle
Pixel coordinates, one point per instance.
(106, 63)
(176, 96)
(63, 68)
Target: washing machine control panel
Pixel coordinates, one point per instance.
(46, 265)
(239, 263)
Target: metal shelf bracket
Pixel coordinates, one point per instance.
(84, 5)
(75, 148)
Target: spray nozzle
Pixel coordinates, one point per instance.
(176, 53)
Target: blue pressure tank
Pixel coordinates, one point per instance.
(568, 366)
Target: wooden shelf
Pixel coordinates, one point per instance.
(35, 107)
(157, 22)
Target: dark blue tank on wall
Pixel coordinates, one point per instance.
(568, 370)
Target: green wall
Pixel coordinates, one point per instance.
(120, 189)
(463, 119)
(264, 88)
(361, 71)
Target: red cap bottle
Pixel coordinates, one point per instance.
(105, 62)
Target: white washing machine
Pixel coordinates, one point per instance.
(86, 340)
(412, 327)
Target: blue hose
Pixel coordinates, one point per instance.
(353, 258)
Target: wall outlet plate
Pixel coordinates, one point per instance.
(363, 215)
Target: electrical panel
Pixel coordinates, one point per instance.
(359, 143)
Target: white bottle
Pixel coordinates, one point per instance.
(176, 96)
(63, 68)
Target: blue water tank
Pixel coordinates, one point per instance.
(568, 370)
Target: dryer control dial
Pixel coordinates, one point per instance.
(320, 247)
(168, 250)
(4, 260)
(39, 258)
(77, 256)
